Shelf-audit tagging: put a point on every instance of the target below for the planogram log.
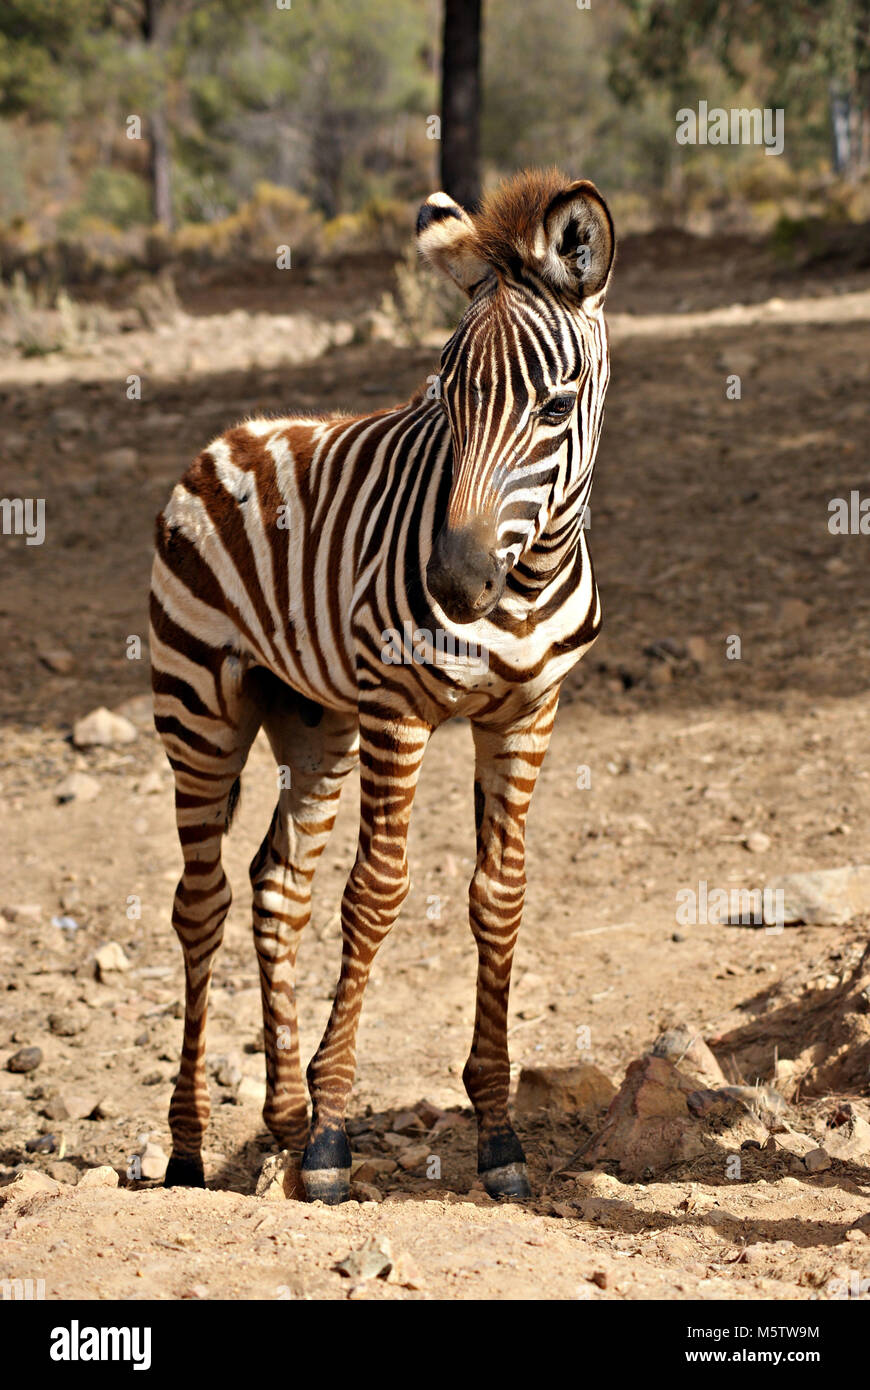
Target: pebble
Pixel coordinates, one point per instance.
(110, 960)
(817, 1161)
(25, 1059)
(78, 786)
(103, 1176)
(57, 659)
(152, 1162)
(101, 728)
(44, 1144)
(757, 842)
(67, 1023)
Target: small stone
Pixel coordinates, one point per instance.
(228, 1075)
(407, 1122)
(697, 650)
(817, 1161)
(150, 784)
(821, 897)
(374, 1260)
(251, 1091)
(413, 1157)
(25, 1059)
(57, 659)
(365, 1192)
(579, 1090)
(103, 1176)
(78, 786)
(102, 729)
(599, 1278)
(370, 1169)
(79, 1105)
(67, 1023)
(152, 1162)
(280, 1178)
(690, 1054)
(757, 842)
(44, 1144)
(111, 960)
(29, 1183)
(106, 1109)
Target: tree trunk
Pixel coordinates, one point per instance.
(153, 30)
(460, 101)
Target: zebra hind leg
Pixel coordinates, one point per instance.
(207, 753)
(314, 750)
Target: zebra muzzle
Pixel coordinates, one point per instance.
(465, 576)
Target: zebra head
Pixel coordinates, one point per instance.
(522, 379)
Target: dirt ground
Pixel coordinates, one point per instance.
(709, 521)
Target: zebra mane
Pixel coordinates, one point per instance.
(510, 217)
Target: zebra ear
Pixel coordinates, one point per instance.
(445, 238)
(575, 243)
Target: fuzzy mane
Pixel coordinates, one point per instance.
(510, 215)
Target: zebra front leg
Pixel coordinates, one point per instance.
(507, 765)
(391, 752)
(316, 762)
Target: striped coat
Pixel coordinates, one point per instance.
(347, 584)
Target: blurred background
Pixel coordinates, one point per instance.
(141, 134)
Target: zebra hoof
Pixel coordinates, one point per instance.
(512, 1180)
(329, 1185)
(184, 1172)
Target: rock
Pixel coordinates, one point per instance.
(829, 897)
(280, 1178)
(106, 1109)
(765, 1102)
(791, 1141)
(407, 1122)
(44, 1144)
(849, 1141)
(110, 960)
(102, 729)
(67, 1023)
(250, 1091)
(78, 786)
(697, 650)
(25, 1059)
(689, 1052)
(79, 1105)
(29, 1183)
(370, 1169)
(413, 1157)
(57, 659)
(757, 842)
(429, 1113)
(152, 1162)
(151, 784)
(817, 1161)
(365, 1192)
(374, 1260)
(227, 1074)
(405, 1273)
(104, 1176)
(659, 1118)
(581, 1090)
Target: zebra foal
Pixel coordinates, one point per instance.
(293, 553)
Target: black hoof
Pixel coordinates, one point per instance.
(510, 1181)
(184, 1172)
(326, 1167)
(329, 1185)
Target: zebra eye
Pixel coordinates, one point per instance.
(559, 408)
